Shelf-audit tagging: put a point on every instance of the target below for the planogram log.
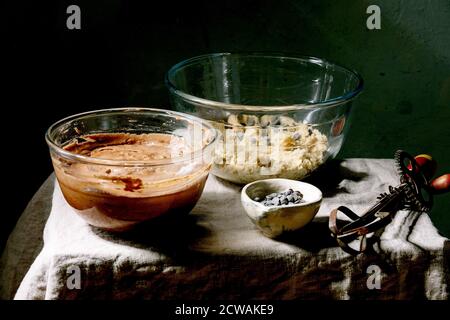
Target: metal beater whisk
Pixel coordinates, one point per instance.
(415, 193)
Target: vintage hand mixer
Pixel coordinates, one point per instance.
(415, 192)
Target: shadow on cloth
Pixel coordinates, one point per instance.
(171, 235)
(24, 245)
(329, 176)
(313, 237)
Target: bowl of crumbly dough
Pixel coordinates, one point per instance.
(277, 116)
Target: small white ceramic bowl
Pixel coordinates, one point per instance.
(274, 220)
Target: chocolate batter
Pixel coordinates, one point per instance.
(116, 197)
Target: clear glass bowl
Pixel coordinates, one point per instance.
(277, 116)
(118, 167)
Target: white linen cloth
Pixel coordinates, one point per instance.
(217, 253)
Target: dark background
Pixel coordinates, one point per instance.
(120, 56)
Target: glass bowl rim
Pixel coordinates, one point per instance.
(129, 163)
(255, 108)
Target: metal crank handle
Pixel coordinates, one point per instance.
(371, 214)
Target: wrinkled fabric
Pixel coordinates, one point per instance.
(217, 253)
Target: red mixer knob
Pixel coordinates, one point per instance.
(441, 184)
(426, 164)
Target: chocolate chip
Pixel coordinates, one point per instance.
(282, 198)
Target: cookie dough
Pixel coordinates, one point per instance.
(252, 148)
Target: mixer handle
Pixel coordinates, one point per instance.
(440, 185)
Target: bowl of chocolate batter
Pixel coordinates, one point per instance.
(119, 167)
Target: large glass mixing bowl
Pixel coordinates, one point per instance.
(277, 116)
